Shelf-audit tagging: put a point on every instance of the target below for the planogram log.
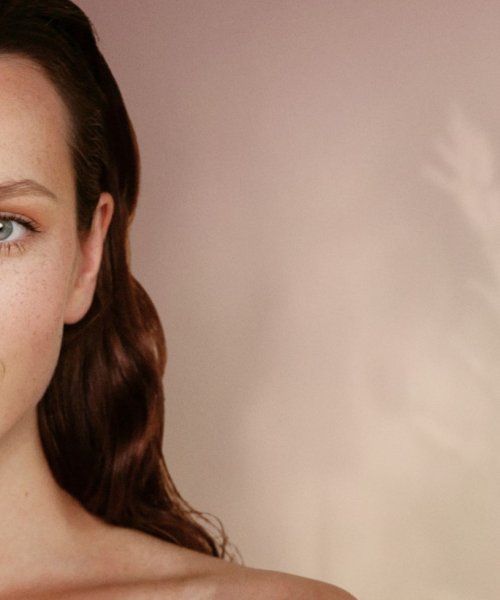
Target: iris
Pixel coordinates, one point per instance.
(6, 229)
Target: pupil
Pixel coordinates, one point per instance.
(6, 228)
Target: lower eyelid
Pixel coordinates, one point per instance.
(7, 248)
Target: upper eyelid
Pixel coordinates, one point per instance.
(22, 220)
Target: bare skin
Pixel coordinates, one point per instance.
(51, 547)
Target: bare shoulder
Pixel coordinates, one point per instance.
(294, 587)
(206, 577)
(137, 566)
(188, 574)
(181, 573)
(247, 583)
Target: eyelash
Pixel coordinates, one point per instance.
(31, 226)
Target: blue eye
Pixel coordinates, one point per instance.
(13, 231)
(8, 227)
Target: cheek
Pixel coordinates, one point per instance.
(32, 297)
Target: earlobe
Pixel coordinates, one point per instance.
(88, 262)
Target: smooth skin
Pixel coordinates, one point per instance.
(51, 547)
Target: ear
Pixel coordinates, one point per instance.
(88, 262)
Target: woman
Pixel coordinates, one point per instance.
(87, 508)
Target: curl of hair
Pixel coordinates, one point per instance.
(101, 418)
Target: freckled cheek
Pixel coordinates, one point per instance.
(31, 319)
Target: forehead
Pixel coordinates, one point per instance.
(34, 127)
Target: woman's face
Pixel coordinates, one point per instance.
(47, 277)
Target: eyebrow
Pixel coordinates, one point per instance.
(24, 187)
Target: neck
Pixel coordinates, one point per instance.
(42, 527)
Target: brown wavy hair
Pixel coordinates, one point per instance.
(101, 417)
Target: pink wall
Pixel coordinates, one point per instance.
(319, 227)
